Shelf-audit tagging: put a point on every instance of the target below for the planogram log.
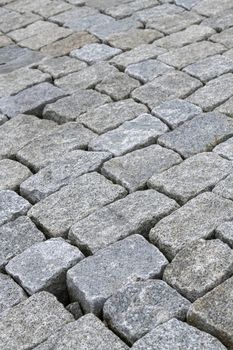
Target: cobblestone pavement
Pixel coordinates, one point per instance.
(116, 174)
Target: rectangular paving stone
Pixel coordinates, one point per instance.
(139, 307)
(124, 10)
(31, 100)
(16, 236)
(213, 260)
(225, 188)
(225, 232)
(4, 40)
(59, 211)
(47, 148)
(43, 267)
(225, 149)
(157, 12)
(86, 333)
(213, 313)
(92, 53)
(221, 21)
(171, 85)
(213, 93)
(73, 15)
(32, 321)
(18, 131)
(20, 79)
(61, 172)
(134, 169)
(196, 219)
(111, 115)
(201, 134)
(141, 131)
(182, 57)
(224, 38)
(174, 335)
(212, 7)
(226, 108)
(134, 214)
(188, 4)
(96, 278)
(12, 174)
(12, 20)
(60, 66)
(193, 176)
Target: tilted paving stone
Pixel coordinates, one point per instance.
(125, 10)
(184, 37)
(212, 7)
(134, 169)
(201, 134)
(86, 78)
(213, 313)
(58, 212)
(188, 4)
(228, 53)
(12, 20)
(225, 188)
(4, 40)
(200, 267)
(176, 112)
(193, 176)
(220, 22)
(18, 131)
(183, 56)
(137, 133)
(141, 306)
(61, 172)
(43, 266)
(140, 53)
(88, 333)
(175, 335)
(117, 85)
(75, 309)
(171, 85)
(20, 79)
(31, 100)
(69, 108)
(157, 12)
(60, 66)
(32, 321)
(16, 236)
(226, 108)
(92, 53)
(3, 119)
(11, 293)
(196, 219)
(224, 38)
(12, 206)
(96, 278)
(71, 16)
(147, 70)
(12, 174)
(111, 115)
(39, 34)
(225, 149)
(225, 232)
(134, 214)
(47, 148)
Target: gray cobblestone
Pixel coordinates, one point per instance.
(225, 233)
(12, 174)
(93, 53)
(224, 149)
(224, 188)
(12, 20)
(61, 66)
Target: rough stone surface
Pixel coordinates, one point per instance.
(226, 108)
(59, 211)
(225, 149)
(225, 187)
(225, 233)
(93, 53)
(196, 219)
(134, 214)
(3, 119)
(32, 321)
(141, 261)
(141, 306)
(75, 309)
(12, 174)
(60, 66)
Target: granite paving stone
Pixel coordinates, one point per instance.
(200, 267)
(111, 115)
(134, 169)
(196, 219)
(12, 20)
(75, 309)
(12, 174)
(137, 133)
(61, 172)
(225, 149)
(60, 66)
(69, 108)
(212, 7)
(224, 187)
(59, 211)
(128, 260)
(4, 40)
(3, 119)
(187, 4)
(134, 214)
(213, 313)
(43, 266)
(224, 38)
(201, 134)
(225, 232)
(32, 321)
(92, 53)
(12, 206)
(67, 17)
(157, 12)
(195, 175)
(226, 108)
(141, 306)
(175, 335)
(220, 22)
(125, 10)
(47, 148)
(16, 236)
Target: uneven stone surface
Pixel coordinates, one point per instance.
(225, 187)
(12, 174)
(141, 306)
(141, 261)
(75, 309)
(225, 149)
(134, 214)
(225, 233)
(92, 53)
(61, 66)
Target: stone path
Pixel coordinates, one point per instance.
(116, 174)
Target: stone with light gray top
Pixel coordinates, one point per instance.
(140, 307)
(93, 53)
(12, 20)
(225, 187)
(96, 278)
(137, 133)
(136, 213)
(59, 211)
(196, 219)
(12, 174)
(225, 149)
(224, 38)
(225, 232)
(124, 10)
(226, 108)
(60, 66)
(75, 309)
